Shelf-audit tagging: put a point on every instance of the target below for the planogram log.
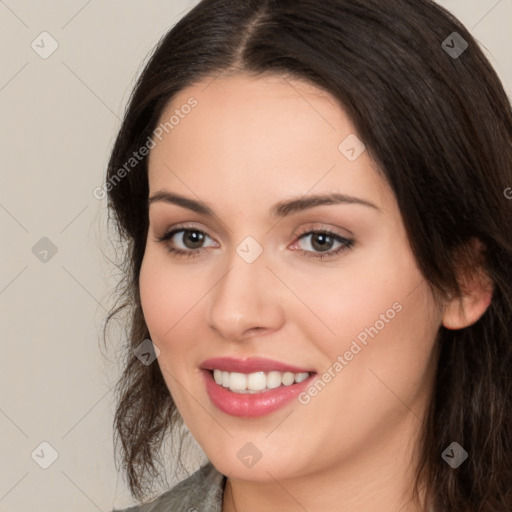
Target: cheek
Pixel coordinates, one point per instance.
(358, 302)
(167, 307)
(381, 319)
(165, 297)
(154, 296)
(384, 296)
(382, 354)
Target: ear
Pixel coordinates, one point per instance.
(477, 289)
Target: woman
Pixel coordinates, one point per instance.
(319, 260)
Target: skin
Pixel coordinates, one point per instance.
(250, 143)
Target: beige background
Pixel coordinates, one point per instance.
(58, 120)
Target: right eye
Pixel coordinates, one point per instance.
(191, 241)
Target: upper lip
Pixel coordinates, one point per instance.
(250, 365)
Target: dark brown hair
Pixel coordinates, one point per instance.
(439, 127)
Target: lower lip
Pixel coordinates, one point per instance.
(251, 405)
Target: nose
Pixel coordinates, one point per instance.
(246, 301)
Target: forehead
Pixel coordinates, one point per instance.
(270, 135)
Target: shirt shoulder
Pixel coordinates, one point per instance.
(201, 491)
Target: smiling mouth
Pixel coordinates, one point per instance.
(257, 382)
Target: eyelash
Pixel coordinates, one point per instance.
(192, 253)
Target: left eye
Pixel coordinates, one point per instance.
(323, 241)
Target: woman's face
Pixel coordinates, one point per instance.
(361, 321)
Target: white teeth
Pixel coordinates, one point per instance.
(237, 381)
(257, 381)
(225, 379)
(299, 377)
(273, 380)
(288, 378)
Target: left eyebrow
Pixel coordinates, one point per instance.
(280, 209)
(290, 206)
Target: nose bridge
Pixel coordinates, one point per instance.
(245, 298)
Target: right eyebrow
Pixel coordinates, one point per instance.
(184, 202)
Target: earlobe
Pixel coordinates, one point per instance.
(477, 290)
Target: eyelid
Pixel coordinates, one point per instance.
(319, 226)
(192, 226)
